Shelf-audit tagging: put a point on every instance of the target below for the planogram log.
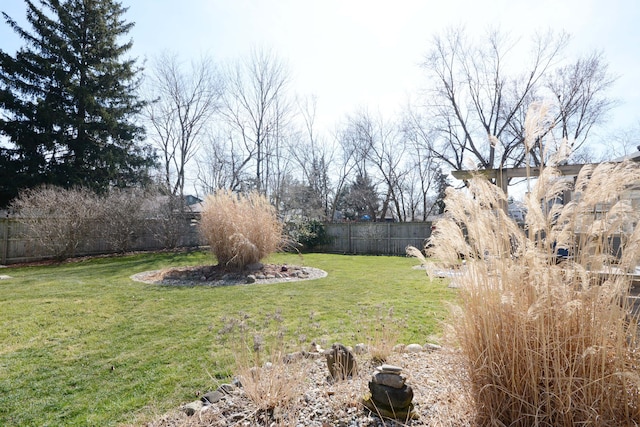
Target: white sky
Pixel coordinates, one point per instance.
(366, 53)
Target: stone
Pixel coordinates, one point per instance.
(389, 369)
(251, 278)
(341, 362)
(398, 348)
(391, 380)
(256, 266)
(389, 397)
(226, 388)
(360, 348)
(432, 347)
(192, 408)
(404, 415)
(413, 348)
(293, 357)
(315, 348)
(212, 397)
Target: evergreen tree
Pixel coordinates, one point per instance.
(360, 199)
(442, 184)
(68, 101)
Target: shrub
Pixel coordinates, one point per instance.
(58, 220)
(306, 233)
(122, 218)
(547, 342)
(241, 229)
(169, 222)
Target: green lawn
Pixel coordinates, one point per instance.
(82, 344)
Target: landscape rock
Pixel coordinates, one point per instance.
(391, 380)
(256, 266)
(386, 368)
(315, 348)
(226, 388)
(341, 362)
(398, 348)
(391, 397)
(212, 397)
(432, 347)
(251, 278)
(192, 408)
(360, 348)
(413, 348)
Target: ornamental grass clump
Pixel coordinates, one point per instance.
(241, 229)
(548, 340)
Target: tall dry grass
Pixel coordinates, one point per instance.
(240, 228)
(547, 342)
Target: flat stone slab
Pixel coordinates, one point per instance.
(389, 369)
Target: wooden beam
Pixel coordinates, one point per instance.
(503, 175)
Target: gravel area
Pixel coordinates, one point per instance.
(435, 376)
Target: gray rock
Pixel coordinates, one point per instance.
(293, 357)
(341, 362)
(315, 348)
(432, 347)
(391, 380)
(251, 278)
(389, 397)
(192, 408)
(413, 348)
(226, 388)
(398, 348)
(360, 348)
(256, 266)
(212, 397)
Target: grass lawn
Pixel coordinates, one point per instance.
(82, 344)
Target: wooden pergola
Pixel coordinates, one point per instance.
(503, 175)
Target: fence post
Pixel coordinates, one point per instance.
(5, 243)
(388, 238)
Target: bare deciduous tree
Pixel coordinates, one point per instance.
(256, 110)
(482, 90)
(380, 145)
(419, 137)
(313, 156)
(182, 102)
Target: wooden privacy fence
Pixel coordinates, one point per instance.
(16, 245)
(376, 238)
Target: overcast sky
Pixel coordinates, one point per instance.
(366, 53)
